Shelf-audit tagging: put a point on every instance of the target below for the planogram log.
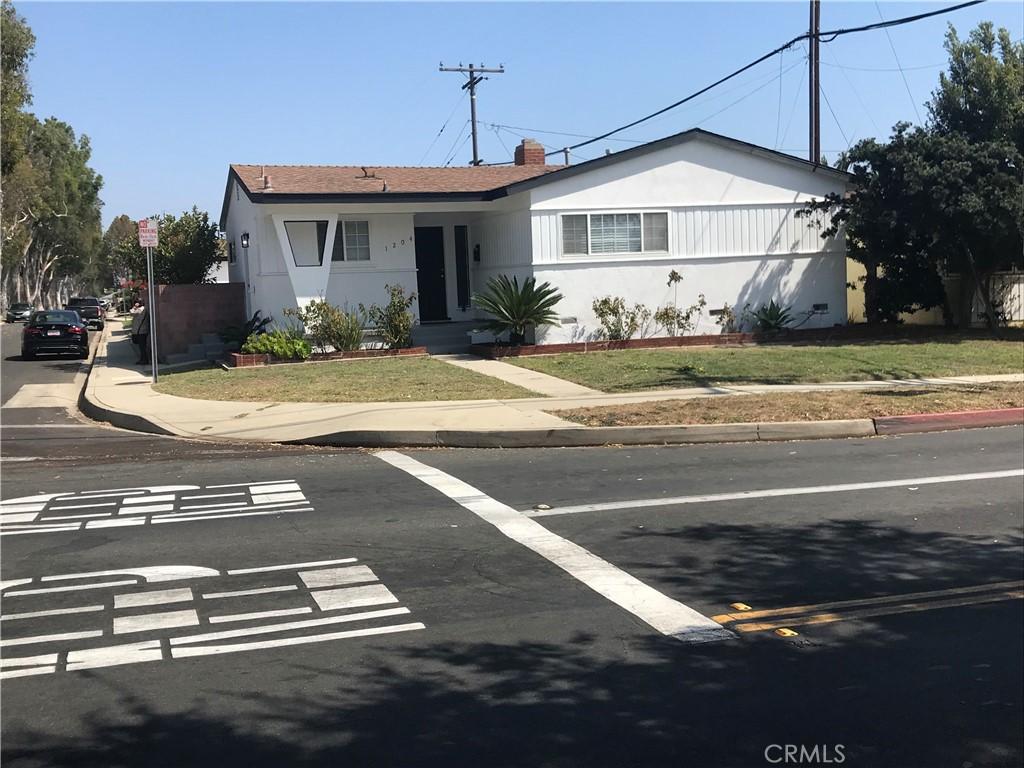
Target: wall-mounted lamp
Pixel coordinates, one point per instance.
(245, 239)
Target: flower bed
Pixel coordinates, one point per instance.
(240, 360)
(836, 333)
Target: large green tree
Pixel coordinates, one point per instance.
(16, 49)
(944, 199)
(189, 247)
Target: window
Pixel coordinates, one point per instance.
(606, 233)
(615, 233)
(352, 241)
(462, 265)
(307, 240)
(231, 253)
(574, 234)
(655, 231)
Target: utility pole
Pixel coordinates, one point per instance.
(814, 105)
(474, 80)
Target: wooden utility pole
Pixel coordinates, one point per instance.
(814, 105)
(474, 79)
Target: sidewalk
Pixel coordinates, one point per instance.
(119, 391)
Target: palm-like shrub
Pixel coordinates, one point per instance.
(516, 307)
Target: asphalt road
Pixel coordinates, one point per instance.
(461, 632)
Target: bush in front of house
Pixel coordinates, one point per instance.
(327, 325)
(284, 344)
(618, 321)
(514, 307)
(393, 322)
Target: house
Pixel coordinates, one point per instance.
(721, 212)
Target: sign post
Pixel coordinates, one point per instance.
(148, 240)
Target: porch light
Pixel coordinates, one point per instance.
(245, 239)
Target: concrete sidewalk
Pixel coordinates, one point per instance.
(119, 391)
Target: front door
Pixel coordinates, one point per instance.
(433, 299)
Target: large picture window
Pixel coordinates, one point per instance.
(307, 240)
(606, 233)
(352, 241)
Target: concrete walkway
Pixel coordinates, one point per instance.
(535, 381)
(120, 392)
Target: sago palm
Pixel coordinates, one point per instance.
(515, 307)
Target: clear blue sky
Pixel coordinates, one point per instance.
(170, 94)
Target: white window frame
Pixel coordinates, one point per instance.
(344, 246)
(604, 255)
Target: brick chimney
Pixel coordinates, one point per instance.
(529, 152)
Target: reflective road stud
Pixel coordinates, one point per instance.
(783, 632)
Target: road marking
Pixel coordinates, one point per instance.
(111, 656)
(74, 588)
(885, 610)
(46, 426)
(236, 647)
(58, 612)
(793, 610)
(52, 638)
(152, 574)
(158, 632)
(286, 626)
(247, 592)
(259, 615)
(289, 566)
(20, 458)
(156, 597)
(147, 621)
(771, 493)
(353, 597)
(334, 577)
(145, 506)
(666, 615)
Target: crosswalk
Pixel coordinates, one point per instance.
(77, 621)
(154, 505)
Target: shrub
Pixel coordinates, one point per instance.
(234, 335)
(393, 321)
(679, 321)
(771, 316)
(282, 344)
(618, 321)
(514, 307)
(330, 326)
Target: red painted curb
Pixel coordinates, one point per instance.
(936, 422)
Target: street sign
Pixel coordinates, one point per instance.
(147, 233)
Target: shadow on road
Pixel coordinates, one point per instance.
(909, 692)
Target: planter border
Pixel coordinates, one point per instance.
(837, 333)
(242, 360)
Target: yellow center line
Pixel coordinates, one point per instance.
(726, 618)
(885, 610)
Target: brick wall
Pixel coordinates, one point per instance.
(186, 312)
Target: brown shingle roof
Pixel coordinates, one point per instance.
(350, 179)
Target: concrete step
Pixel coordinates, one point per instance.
(210, 338)
(180, 357)
(216, 348)
(196, 351)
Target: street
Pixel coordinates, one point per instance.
(171, 603)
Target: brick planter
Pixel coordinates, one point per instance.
(839, 333)
(240, 360)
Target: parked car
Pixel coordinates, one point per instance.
(19, 313)
(54, 330)
(89, 308)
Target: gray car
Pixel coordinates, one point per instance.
(19, 313)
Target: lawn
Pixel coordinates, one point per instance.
(803, 406)
(638, 369)
(356, 381)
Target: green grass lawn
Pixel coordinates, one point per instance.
(357, 381)
(638, 369)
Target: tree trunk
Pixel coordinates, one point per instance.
(983, 287)
(871, 311)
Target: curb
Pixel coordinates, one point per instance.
(936, 422)
(89, 405)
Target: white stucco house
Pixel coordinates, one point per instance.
(719, 211)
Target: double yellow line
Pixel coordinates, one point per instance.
(911, 602)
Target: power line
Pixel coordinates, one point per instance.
(560, 133)
(856, 93)
(831, 35)
(452, 148)
(796, 98)
(838, 124)
(883, 69)
(778, 111)
(746, 96)
(443, 126)
(900, 66)
(450, 159)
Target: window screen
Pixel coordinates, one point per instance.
(655, 231)
(307, 240)
(574, 234)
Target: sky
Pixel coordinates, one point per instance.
(170, 94)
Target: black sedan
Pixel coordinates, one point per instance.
(55, 330)
(18, 313)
